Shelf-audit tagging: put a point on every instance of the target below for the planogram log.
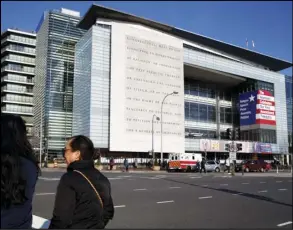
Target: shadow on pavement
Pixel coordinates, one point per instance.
(258, 197)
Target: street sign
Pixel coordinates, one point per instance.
(232, 156)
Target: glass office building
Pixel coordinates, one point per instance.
(18, 52)
(57, 35)
(289, 112)
(115, 65)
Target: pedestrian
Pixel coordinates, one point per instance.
(19, 173)
(111, 163)
(126, 164)
(83, 198)
(228, 164)
(203, 166)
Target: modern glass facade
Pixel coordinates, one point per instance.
(17, 74)
(56, 41)
(92, 86)
(289, 109)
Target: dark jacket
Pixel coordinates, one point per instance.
(77, 204)
(20, 216)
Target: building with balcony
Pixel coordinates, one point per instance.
(57, 35)
(17, 74)
(128, 69)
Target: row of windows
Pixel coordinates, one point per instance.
(226, 115)
(259, 135)
(20, 48)
(18, 78)
(18, 98)
(253, 85)
(200, 133)
(18, 88)
(205, 90)
(200, 112)
(17, 67)
(17, 108)
(196, 89)
(19, 58)
(22, 39)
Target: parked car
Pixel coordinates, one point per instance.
(256, 165)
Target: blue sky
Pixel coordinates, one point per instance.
(268, 24)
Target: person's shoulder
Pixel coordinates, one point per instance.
(68, 178)
(102, 176)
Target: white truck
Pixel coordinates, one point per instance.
(183, 161)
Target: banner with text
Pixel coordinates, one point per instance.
(257, 107)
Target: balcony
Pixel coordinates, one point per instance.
(16, 102)
(4, 110)
(6, 69)
(16, 91)
(17, 81)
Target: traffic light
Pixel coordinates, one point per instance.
(227, 147)
(236, 134)
(239, 147)
(229, 134)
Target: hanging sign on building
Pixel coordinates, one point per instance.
(257, 107)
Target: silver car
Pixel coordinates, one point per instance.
(212, 166)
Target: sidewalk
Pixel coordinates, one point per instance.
(268, 174)
(63, 169)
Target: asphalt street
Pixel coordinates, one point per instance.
(183, 200)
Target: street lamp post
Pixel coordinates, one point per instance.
(153, 150)
(173, 93)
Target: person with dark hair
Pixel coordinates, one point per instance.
(19, 173)
(83, 198)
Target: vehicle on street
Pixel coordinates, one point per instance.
(210, 165)
(256, 165)
(183, 162)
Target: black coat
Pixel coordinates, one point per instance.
(77, 204)
(20, 216)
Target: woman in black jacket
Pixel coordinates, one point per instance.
(19, 173)
(83, 198)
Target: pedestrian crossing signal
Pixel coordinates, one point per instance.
(227, 147)
(239, 147)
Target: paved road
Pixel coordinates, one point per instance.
(148, 200)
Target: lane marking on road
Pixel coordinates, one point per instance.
(44, 194)
(48, 178)
(245, 183)
(125, 176)
(263, 191)
(120, 206)
(155, 178)
(140, 189)
(195, 177)
(115, 178)
(205, 185)
(174, 187)
(235, 194)
(262, 182)
(282, 189)
(223, 184)
(164, 202)
(205, 197)
(283, 224)
(279, 181)
(40, 222)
